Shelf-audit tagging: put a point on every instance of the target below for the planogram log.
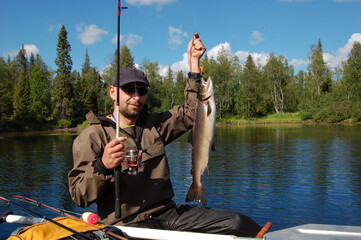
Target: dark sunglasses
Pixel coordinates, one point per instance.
(142, 91)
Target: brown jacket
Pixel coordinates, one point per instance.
(142, 195)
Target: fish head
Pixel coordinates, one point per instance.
(205, 89)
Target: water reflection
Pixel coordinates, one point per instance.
(288, 175)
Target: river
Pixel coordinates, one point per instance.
(286, 174)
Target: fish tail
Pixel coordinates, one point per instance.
(196, 193)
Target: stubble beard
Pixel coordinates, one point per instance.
(131, 113)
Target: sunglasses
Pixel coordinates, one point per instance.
(142, 91)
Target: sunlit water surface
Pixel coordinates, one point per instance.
(288, 175)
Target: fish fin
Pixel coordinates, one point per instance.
(196, 194)
(209, 109)
(206, 171)
(190, 137)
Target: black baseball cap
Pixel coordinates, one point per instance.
(129, 75)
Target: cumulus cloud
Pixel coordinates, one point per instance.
(256, 38)
(213, 53)
(335, 60)
(259, 59)
(176, 36)
(130, 39)
(91, 34)
(29, 49)
(133, 40)
(181, 65)
(298, 62)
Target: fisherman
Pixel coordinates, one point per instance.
(145, 192)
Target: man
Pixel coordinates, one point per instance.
(145, 189)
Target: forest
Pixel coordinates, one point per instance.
(33, 97)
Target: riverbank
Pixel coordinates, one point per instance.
(276, 118)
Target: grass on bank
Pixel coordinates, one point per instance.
(271, 118)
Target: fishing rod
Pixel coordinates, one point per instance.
(117, 169)
(48, 219)
(89, 218)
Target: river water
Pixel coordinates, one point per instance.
(286, 174)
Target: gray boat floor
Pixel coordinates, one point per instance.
(316, 231)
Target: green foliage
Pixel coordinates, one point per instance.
(63, 95)
(88, 89)
(32, 99)
(40, 84)
(63, 123)
(7, 79)
(22, 98)
(151, 69)
(352, 74)
(319, 80)
(339, 112)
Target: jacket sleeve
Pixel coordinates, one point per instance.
(173, 123)
(86, 180)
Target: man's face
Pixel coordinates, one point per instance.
(132, 97)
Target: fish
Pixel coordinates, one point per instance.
(202, 139)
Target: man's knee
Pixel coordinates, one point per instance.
(243, 226)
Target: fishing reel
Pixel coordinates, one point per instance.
(132, 159)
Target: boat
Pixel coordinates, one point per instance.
(71, 226)
(302, 232)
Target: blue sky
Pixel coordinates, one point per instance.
(160, 29)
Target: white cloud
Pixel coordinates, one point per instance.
(256, 38)
(181, 65)
(29, 49)
(115, 39)
(176, 36)
(133, 40)
(298, 62)
(130, 40)
(149, 2)
(91, 34)
(260, 59)
(213, 53)
(335, 60)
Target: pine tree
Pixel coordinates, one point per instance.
(89, 87)
(40, 81)
(63, 86)
(249, 95)
(151, 70)
(126, 60)
(180, 84)
(7, 79)
(22, 99)
(319, 75)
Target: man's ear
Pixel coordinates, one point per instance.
(113, 93)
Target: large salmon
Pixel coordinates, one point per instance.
(202, 139)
